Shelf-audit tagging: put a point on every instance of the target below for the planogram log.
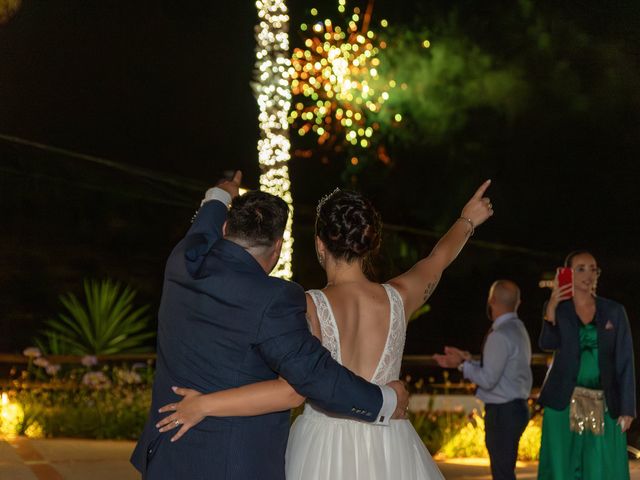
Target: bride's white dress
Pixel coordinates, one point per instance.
(322, 447)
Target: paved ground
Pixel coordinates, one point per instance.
(67, 459)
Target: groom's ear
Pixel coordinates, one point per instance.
(224, 229)
(274, 256)
(277, 248)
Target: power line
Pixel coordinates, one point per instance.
(137, 171)
(103, 188)
(195, 186)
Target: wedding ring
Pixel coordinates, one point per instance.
(177, 422)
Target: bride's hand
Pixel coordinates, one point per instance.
(188, 412)
(478, 208)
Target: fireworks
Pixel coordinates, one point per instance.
(334, 78)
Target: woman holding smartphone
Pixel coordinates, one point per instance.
(589, 393)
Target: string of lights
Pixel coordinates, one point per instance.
(8, 9)
(273, 92)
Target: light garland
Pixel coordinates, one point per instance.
(336, 83)
(274, 100)
(8, 9)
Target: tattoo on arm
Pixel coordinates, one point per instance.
(431, 286)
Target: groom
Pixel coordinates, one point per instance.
(224, 322)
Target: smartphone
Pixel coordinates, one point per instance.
(565, 277)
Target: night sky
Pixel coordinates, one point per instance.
(165, 86)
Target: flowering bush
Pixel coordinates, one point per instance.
(436, 428)
(469, 440)
(78, 401)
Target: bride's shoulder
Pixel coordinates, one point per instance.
(312, 314)
(311, 296)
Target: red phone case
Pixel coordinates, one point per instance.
(565, 277)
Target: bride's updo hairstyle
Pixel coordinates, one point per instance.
(348, 225)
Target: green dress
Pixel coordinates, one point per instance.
(567, 455)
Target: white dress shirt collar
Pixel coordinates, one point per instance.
(505, 317)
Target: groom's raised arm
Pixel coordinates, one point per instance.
(285, 343)
(206, 228)
(209, 219)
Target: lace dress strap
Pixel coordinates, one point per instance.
(328, 326)
(388, 368)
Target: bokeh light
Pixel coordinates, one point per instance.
(274, 100)
(336, 83)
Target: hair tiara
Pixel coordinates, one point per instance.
(324, 199)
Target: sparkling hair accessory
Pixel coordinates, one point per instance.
(324, 199)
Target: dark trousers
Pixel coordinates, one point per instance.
(503, 425)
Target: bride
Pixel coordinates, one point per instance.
(363, 325)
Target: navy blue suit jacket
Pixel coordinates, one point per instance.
(615, 357)
(223, 323)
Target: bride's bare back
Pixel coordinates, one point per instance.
(362, 313)
(347, 228)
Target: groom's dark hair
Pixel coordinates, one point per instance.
(257, 219)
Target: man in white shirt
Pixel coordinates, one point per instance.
(503, 376)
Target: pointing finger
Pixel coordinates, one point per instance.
(483, 188)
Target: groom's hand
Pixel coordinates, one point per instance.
(231, 186)
(402, 394)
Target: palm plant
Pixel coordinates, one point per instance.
(107, 323)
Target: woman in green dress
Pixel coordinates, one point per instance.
(589, 393)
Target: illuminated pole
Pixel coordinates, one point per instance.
(8, 9)
(274, 99)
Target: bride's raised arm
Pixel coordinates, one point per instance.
(418, 283)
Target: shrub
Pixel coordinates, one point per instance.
(105, 324)
(469, 440)
(78, 405)
(436, 428)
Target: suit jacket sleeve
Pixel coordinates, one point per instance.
(285, 343)
(550, 334)
(204, 232)
(625, 365)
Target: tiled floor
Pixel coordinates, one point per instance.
(71, 459)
